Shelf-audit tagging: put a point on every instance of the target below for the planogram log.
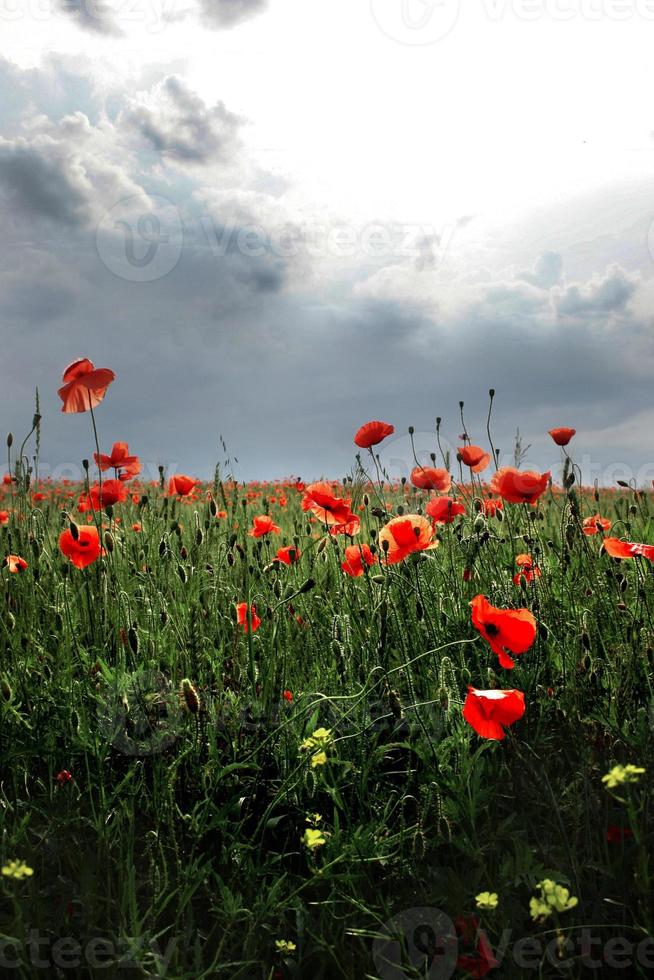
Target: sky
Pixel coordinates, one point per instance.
(277, 219)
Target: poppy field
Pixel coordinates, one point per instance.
(323, 728)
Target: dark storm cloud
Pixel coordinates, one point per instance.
(91, 15)
(181, 127)
(38, 180)
(221, 14)
(609, 294)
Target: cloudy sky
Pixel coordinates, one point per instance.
(276, 219)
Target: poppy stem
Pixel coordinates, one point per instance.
(491, 395)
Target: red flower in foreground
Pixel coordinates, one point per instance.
(126, 466)
(63, 777)
(111, 492)
(481, 960)
(15, 563)
(489, 712)
(180, 485)
(84, 386)
(431, 478)
(627, 549)
(242, 617)
(404, 535)
(288, 555)
(84, 549)
(519, 486)
(372, 433)
(562, 435)
(356, 556)
(474, 457)
(262, 525)
(492, 505)
(443, 510)
(528, 570)
(4, 516)
(595, 524)
(506, 630)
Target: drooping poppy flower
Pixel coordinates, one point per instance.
(562, 435)
(180, 485)
(431, 478)
(126, 466)
(481, 959)
(288, 555)
(443, 510)
(15, 563)
(320, 500)
(262, 525)
(356, 557)
(489, 712)
(627, 549)
(527, 569)
(372, 433)
(474, 457)
(84, 386)
(83, 550)
(492, 505)
(595, 524)
(404, 535)
(519, 486)
(506, 630)
(242, 617)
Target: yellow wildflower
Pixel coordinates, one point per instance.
(487, 900)
(319, 759)
(552, 898)
(320, 739)
(285, 946)
(622, 774)
(313, 838)
(17, 869)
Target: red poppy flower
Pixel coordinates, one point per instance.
(83, 550)
(242, 617)
(616, 835)
(443, 510)
(111, 492)
(481, 960)
(431, 478)
(288, 555)
(319, 498)
(350, 527)
(15, 563)
(4, 516)
(126, 466)
(489, 712)
(262, 525)
(528, 570)
(372, 433)
(356, 557)
(562, 436)
(84, 386)
(137, 528)
(627, 549)
(519, 486)
(512, 630)
(474, 457)
(492, 505)
(288, 696)
(405, 535)
(596, 523)
(7, 479)
(63, 777)
(180, 485)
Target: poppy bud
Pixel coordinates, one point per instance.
(419, 611)
(585, 641)
(400, 510)
(377, 512)
(277, 589)
(477, 505)
(543, 631)
(163, 547)
(5, 689)
(491, 392)
(109, 511)
(213, 509)
(377, 579)
(443, 698)
(232, 539)
(230, 559)
(366, 500)
(181, 571)
(108, 541)
(479, 524)
(85, 464)
(307, 586)
(74, 531)
(465, 675)
(10, 440)
(163, 616)
(189, 696)
(133, 640)
(633, 509)
(322, 544)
